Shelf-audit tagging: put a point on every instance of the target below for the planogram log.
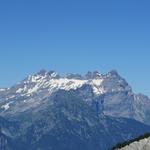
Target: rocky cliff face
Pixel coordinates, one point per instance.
(95, 111)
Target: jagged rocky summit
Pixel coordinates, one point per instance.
(96, 111)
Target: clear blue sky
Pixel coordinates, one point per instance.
(75, 36)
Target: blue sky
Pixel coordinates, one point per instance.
(75, 36)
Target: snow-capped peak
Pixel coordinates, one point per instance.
(111, 90)
(2, 90)
(51, 81)
(45, 83)
(36, 83)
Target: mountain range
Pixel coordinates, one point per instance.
(47, 111)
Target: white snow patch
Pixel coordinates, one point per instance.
(66, 84)
(97, 82)
(97, 89)
(34, 89)
(54, 74)
(1, 90)
(20, 90)
(51, 84)
(6, 106)
(10, 97)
